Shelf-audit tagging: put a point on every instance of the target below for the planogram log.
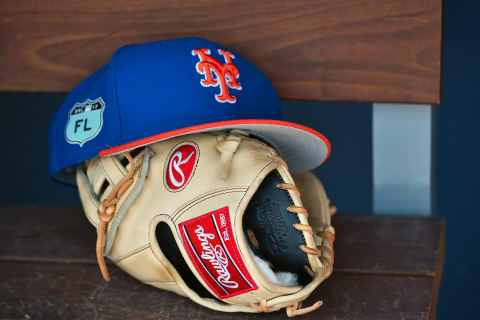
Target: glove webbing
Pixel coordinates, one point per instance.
(294, 309)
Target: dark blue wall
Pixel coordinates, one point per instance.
(24, 128)
(347, 174)
(457, 162)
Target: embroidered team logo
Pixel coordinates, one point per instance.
(85, 121)
(180, 166)
(217, 74)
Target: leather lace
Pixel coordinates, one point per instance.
(106, 211)
(327, 262)
(292, 310)
(227, 145)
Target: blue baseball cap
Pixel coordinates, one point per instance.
(159, 90)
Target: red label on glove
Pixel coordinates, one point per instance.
(180, 166)
(212, 249)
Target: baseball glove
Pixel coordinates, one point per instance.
(216, 217)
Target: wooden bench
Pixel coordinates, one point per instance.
(324, 50)
(386, 268)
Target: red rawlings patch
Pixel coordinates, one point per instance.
(214, 253)
(180, 165)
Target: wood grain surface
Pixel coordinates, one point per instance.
(73, 291)
(326, 50)
(386, 268)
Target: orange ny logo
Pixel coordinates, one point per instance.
(218, 74)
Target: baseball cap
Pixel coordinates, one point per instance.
(159, 90)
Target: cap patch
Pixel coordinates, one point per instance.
(212, 249)
(218, 74)
(85, 120)
(180, 166)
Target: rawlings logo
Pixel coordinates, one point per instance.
(210, 244)
(180, 165)
(216, 256)
(218, 74)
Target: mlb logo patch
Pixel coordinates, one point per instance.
(85, 121)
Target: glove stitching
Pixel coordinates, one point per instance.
(203, 199)
(106, 173)
(131, 253)
(97, 168)
(116, 163)
(184, 207)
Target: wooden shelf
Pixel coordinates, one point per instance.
(323, 50)
(386, 268)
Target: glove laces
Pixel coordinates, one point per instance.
(327, 235)
(327, 262)
(106, 210)
(292, 310)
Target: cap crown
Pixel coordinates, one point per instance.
(157, 87)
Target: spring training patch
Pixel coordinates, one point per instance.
(213, 251)
(85, 120)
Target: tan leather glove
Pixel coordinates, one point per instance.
(216, 217)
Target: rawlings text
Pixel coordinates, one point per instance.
(216, 256)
